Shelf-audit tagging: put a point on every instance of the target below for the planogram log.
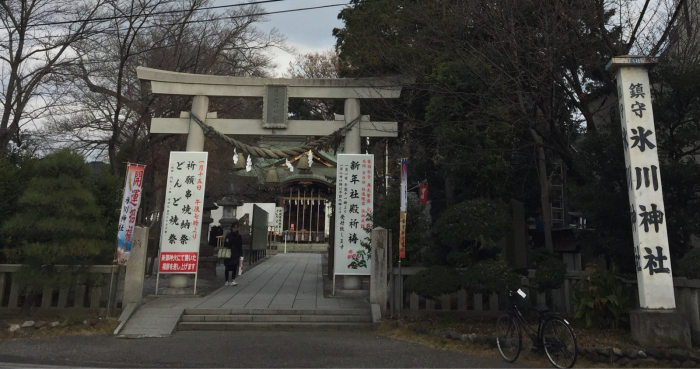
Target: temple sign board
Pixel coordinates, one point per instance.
(275, 107)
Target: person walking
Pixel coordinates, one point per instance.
(234, 242)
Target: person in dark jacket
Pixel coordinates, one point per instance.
(234, 242)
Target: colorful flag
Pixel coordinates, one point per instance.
(130, 207)
(423, 194)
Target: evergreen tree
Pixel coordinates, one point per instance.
(59, 222)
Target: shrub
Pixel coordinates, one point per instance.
(489, 276)
(689, 265)
(434, 281)
(471, 222)
(551, 272)
(602, 298)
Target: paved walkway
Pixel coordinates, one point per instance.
(285, 281)
(250, 349)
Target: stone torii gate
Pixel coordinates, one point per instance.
(275, 93)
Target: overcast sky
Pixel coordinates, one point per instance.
(306, 30)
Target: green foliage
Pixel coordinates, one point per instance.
(58, 223)
(108, 190)
(472, 221)
(602, 298)
(689, 265)
(486, 276)
(489, 276)
(434, 281)
(16, 172)
(386, 215)
(551, 272)
(602, 198)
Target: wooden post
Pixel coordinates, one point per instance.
(446, 302)
(478, 302)
(377, 292)
(2, 286)
(14, 295)
(46, 297)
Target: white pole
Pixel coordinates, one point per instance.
(285, 241)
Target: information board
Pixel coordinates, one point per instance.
(354, 204)
(183, 212)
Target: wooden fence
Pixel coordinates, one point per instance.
(79, 295)
(687, 292)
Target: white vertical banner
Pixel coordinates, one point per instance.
(647, 212)
(354, 203)
(404, 183)
(183, 212)
(279, 218)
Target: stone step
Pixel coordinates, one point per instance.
(261, 326)
(278, 318)
(339, 312)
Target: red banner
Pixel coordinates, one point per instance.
(423, 194)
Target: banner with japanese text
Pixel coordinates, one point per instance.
(354, 205)
(130, 207)
(183, 212)
(279, 219)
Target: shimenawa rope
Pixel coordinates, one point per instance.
(274, 153)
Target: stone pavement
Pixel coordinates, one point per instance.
(285, 281)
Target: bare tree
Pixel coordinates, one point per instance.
(315, 65)
(35, 42)
(112, 110)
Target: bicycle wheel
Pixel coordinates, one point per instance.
(508, 337)
(559, 343)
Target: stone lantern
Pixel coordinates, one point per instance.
(229, 203)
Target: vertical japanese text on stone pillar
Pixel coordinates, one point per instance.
(646, 212)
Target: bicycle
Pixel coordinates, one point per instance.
(554, 334)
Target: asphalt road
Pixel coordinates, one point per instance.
(235, 350)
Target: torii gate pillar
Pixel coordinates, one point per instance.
(353, 143)
(195, 142)
(352, 138)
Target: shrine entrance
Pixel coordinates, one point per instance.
(275, 122)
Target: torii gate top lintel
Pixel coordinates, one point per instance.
(275, 93)
(175, 83)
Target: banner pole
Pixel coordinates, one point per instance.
(400, 304)
(157, 278)
(111, 284)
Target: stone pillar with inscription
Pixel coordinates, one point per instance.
(656, 323)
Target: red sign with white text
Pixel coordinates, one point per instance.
(185, 262)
